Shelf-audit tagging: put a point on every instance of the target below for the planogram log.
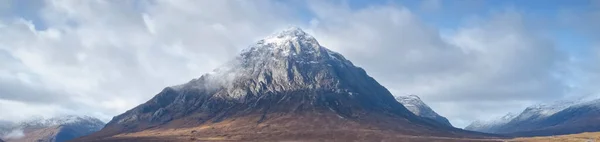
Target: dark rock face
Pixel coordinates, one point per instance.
(286, 75)
(414, 104)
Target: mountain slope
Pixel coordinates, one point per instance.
(414, 104)
(561, 117)
(57, 129)
(577, 118)
(285, 86)
(532, 117)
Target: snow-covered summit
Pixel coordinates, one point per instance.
(290, 43)
(283, 54)
(287, 35)
(415, 105)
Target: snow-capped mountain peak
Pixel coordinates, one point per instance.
(285, 54)
(415, 105)
(509, 116)
(290, 42)
(545, 109)
(287, 35)
(491, 124)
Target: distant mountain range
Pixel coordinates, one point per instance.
(57, 129)
(415, 105)
(561, 117)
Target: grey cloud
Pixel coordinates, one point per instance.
(495, 60)
(17, 91)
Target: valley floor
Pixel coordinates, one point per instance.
(284, 136)
(184, 135)
(582, 137)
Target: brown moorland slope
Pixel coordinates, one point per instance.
(294, 128)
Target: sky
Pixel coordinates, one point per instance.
(468, 59)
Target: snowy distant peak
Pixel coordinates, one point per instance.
(509, 116)
(530, 114)
(496, 121)
(72, 119)
(545, 109)
(62, 120)
(414, 104)
(412, 101)
(490, 126)
(414, 97)
(61, 128)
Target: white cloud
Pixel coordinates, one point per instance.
(14, 134)
(109, 56)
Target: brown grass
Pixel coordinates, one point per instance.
(297, 127)
(582, 137)
(234, 130)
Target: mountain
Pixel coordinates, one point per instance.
(57, 129)
(285, 87)
(5, 127)
(532, 116)
(414, 104)
(577, 118)
(491, 126)
(561, 117)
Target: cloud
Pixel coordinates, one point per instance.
(496, 60)
(14, 134)
(109, 56)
